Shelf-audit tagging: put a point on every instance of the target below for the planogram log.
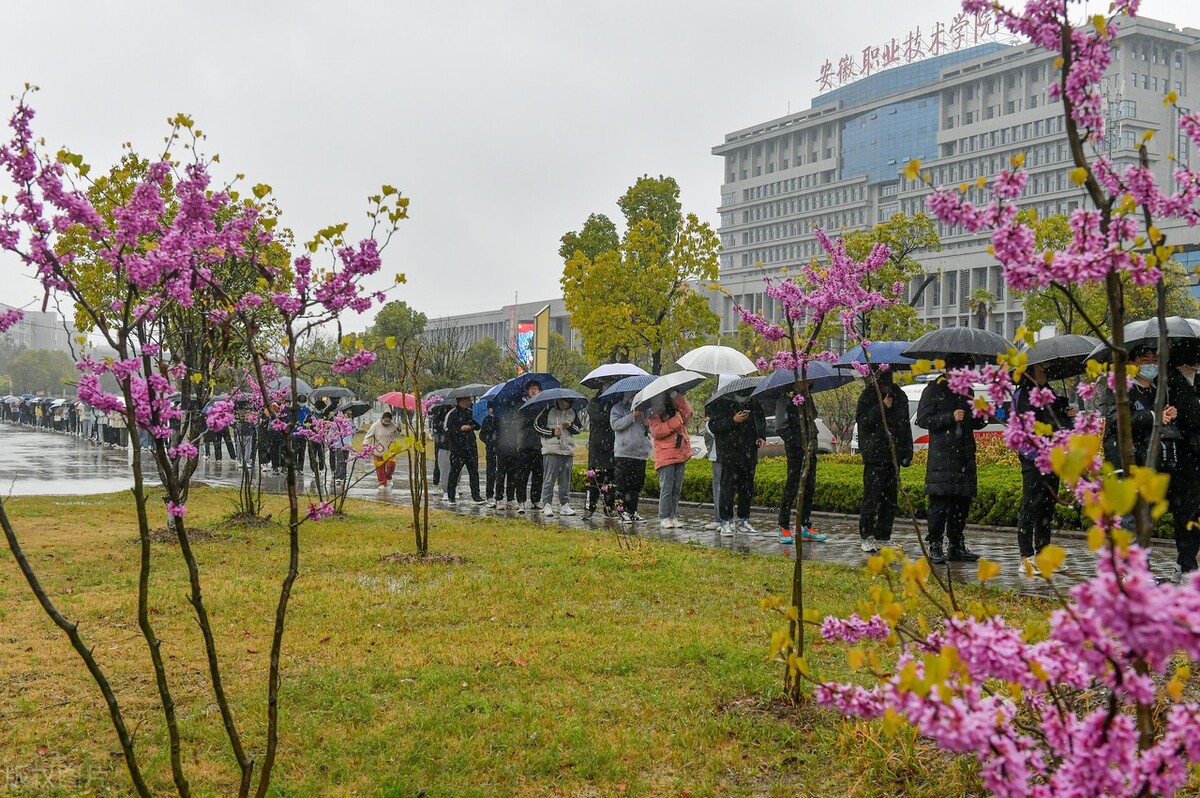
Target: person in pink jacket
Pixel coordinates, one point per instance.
(672, 450)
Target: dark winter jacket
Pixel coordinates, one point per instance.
(459, 440)
(870, 415)
(1182, 396)
(1054, 414)
(488, 431)
(791, 431)
(951, 468)
(600, 438)
(510, 430)
(1141, 413)
(737, 443)
(437, 424)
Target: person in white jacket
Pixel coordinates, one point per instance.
(382, 434)
(557, 425)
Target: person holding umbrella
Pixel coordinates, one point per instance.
(521, 451)
(489, 437)
(1183, 491)
(883, 421)
(382, 434)
(1039, 492)
(556, 425)
(1141, 408)
(739, 427)
(631, 450)
(668, 428)
(601, 440)
(950, 477)
(460, 439)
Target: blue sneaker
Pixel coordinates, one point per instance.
(785, 535)
(807, 533)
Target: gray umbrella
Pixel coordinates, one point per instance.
(285, 384)
(1145, 333)
(981, 344)
(1062, 355)
(331, 392)
(734, 386)
(471, 391)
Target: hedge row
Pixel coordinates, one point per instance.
(840, 489)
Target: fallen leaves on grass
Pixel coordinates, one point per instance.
(412, 558)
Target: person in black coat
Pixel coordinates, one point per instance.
(600, 455)
(489, 436)
(881, 476)
(799, 434)
(740, 428)
(950, 477)
(460, 439)
(1183, 491)
(1141, 409)
(1039, 492)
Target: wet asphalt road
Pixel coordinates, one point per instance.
(49, 463)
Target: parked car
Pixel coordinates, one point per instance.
(920, 435)
(826, 440)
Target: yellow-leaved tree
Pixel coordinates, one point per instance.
(634, 298)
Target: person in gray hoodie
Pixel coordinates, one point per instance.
(631, 450)
(557, 425)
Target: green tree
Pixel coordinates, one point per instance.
(486, 362)
(44, 370)
(906, 237)
(565, 363)
(1075, 308)
(637, 299)
(597, 236)
(398, 321)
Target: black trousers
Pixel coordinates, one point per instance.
(877, 513)
(948, 518)
(529, 467)
(603, 478)
(737, 484)
(791, 489)
(1183, 495)
(631, 478)
(458, 459)
(1036, 520)
(506, 476)
(491, 466)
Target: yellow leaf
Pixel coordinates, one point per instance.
(791, 613)
(1058, 62)
(1017, 161)
(1039, 671)
(1119, 495)
(988, 570)
(939, 364)
(390, 342)
(913, 170)
(811, 616)
(921, 367)
(856, 656)
(197, 378)
(319, 381)
(1078, 175)
(1100, 24)
(1149, 134)
(981, 182)
(963, 188)
(1095, 538)
(1174, 689)
(1050, 559)
(891, 722)
(1171, 98)
(874, 565)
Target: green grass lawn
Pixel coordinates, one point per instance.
(548, 662)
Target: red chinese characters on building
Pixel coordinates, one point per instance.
(825, 81)
(870, 61)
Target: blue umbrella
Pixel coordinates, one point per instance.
(890, 352)
(479, 409)
(511, 391)
(628, 385)
(548, 397)
(821, 377)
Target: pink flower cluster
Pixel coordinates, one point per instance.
(1120, 634)
(854, 629)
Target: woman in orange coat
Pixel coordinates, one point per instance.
(672, 449)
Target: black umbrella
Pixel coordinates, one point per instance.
(471, 391)
(1062, 355)
(552, 395)
(821, 377)
(438, 392)
(285, 384)
(355, 409)
(331, 392)
(981, 344)
(734, 386)
(1145, 333)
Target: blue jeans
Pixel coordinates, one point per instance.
(556, 468)
(670, 486)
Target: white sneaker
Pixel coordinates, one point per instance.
(665, 523)
(870, 544)
(1176, 574)
(548, 510)
(745, 528)
(512, 504)
(712, 526)
(636, 518)
(521, 508)
(491, 502)
(565, 509)
(727, 529)
(626, 518)
(435, 491)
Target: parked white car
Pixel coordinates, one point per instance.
(920, 435)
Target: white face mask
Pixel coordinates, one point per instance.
(1148, 371)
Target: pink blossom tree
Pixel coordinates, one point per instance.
(167, 245)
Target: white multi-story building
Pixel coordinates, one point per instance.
(37, 330)
(964, 115)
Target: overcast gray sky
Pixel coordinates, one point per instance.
(507, 123)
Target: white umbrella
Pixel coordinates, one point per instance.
(717, 360)
(678, 381)
(610, 371)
